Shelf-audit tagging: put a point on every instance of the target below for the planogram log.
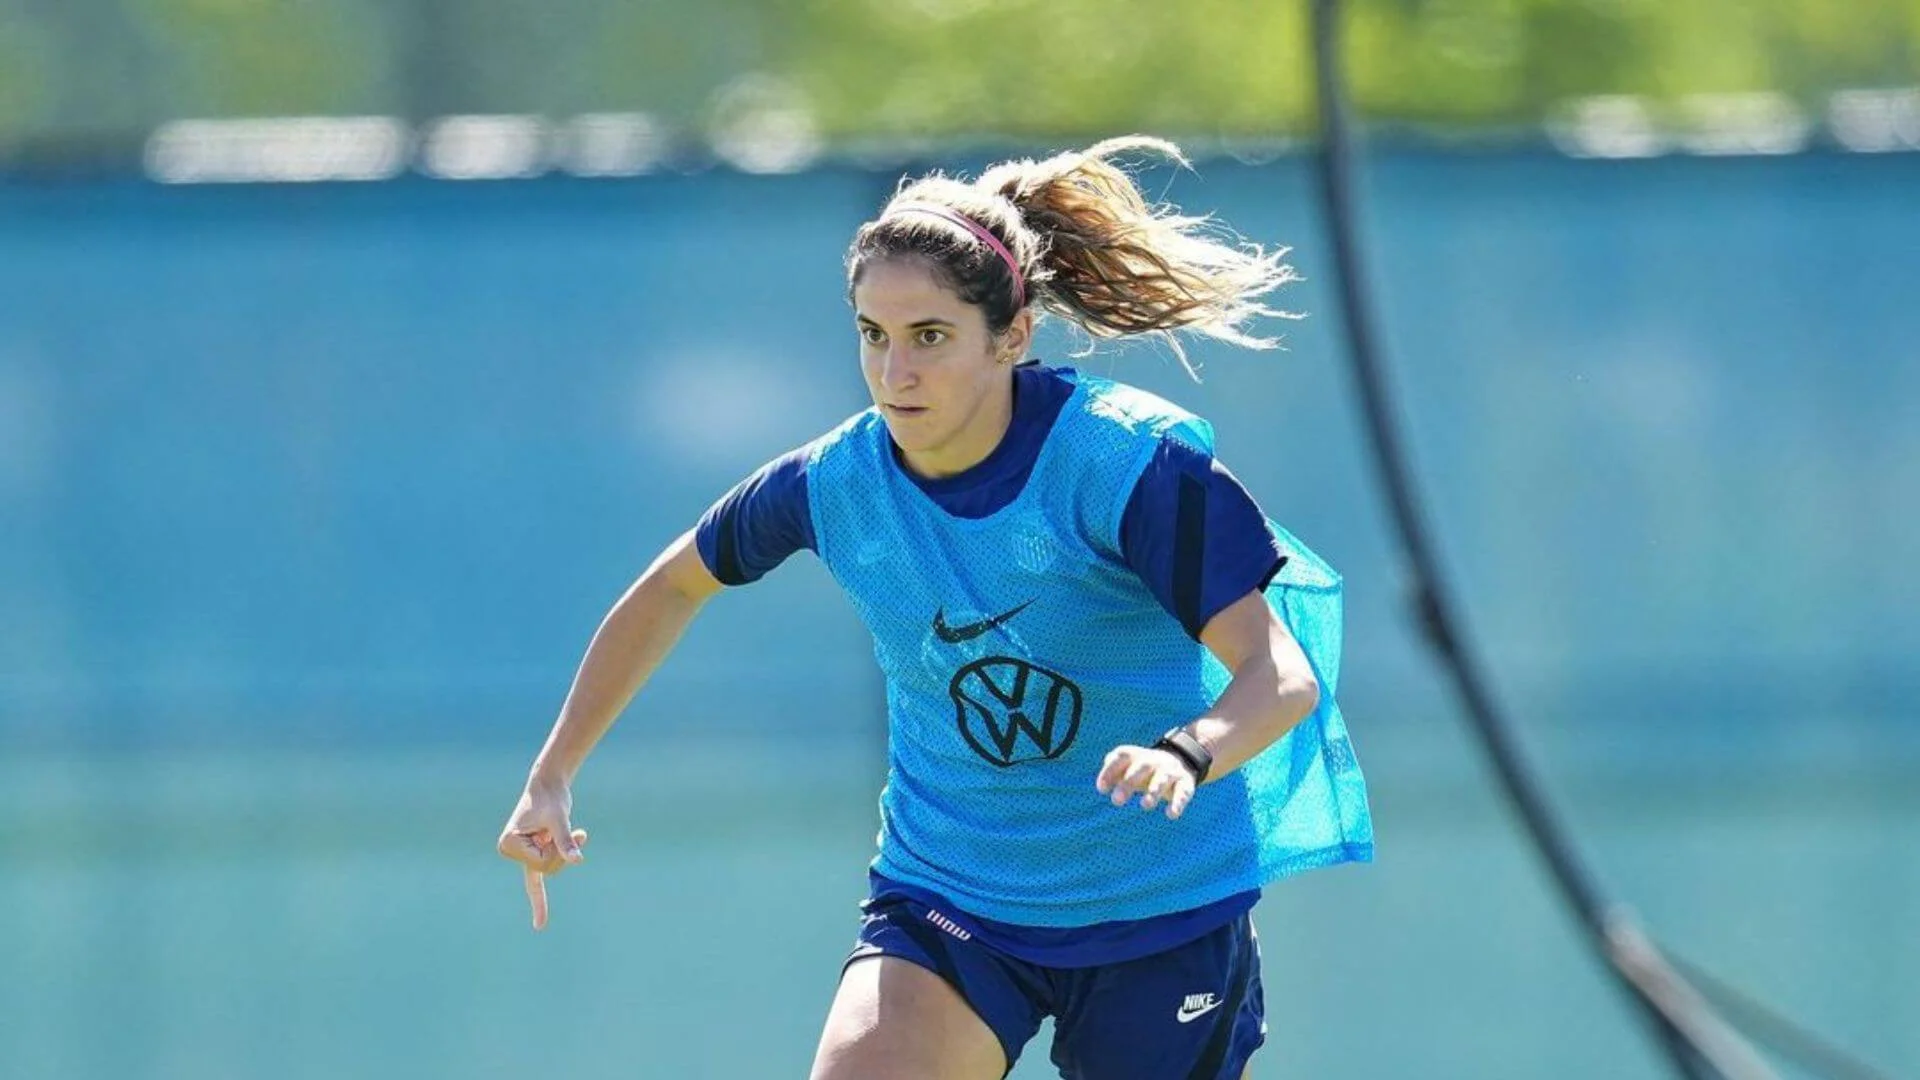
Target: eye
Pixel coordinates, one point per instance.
(872, 335)
(929, 337)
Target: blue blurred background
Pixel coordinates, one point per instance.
(312, 493)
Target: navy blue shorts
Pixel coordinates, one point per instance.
(1193, 1011)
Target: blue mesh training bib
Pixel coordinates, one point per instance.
(1019, 649)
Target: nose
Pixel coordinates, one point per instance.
(896, 369)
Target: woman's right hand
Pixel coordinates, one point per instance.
(541, 838)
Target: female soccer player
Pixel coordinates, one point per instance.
(1074, 605)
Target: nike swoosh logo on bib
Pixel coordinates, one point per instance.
(968, 631)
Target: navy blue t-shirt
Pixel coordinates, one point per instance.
(766, 518)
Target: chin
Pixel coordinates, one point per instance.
(911, 442)
(910, 436)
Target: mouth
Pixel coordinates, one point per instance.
(904, 411)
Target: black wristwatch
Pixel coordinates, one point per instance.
(1188, 749)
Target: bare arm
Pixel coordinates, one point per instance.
(638, 633)
(635, 636)
(1272, 689)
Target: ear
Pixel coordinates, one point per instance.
(1012, 344)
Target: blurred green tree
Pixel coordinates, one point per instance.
(904, 70)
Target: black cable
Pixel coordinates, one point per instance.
(1697, 1042)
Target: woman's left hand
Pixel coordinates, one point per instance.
(1157, 776)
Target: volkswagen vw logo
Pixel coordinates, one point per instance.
(1011, 711)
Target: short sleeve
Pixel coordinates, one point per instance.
(764, 519)
(1195, 535)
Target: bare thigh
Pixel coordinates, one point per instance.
(895, 1020)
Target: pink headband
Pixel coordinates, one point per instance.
(977, 229)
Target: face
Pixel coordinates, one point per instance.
(942, 383)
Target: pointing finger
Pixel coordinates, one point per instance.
(537, 896)
(1111, 769)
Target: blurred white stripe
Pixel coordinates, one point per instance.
(288, 149)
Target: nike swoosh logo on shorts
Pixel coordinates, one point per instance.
(1192, 1011)
(968, 631)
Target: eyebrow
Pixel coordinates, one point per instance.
(921, 325)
